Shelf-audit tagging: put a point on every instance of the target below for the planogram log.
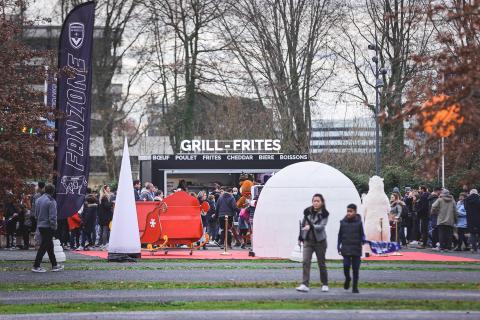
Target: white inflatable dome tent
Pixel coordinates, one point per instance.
(287, 194)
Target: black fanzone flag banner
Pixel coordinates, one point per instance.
(73, 102)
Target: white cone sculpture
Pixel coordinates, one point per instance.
(124, 237)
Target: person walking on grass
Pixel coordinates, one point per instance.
(46, 215)
(350, 240)
(314, 239)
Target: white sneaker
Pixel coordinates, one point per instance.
(303, 288)
(57, 268)
(39, 270)
(414, 243)
(324, 288)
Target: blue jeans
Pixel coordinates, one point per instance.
(75, 238)
(104, 234)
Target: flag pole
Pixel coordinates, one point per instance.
(443, 162)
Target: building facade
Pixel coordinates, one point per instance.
(343, 135)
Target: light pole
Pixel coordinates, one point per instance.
(378, 84)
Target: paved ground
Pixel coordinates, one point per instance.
(260, 315)
(169, 295)
(88, 270)
(223, 275)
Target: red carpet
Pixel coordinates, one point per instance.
(422, 256)
(243, 255)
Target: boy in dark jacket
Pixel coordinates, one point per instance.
(350, 240)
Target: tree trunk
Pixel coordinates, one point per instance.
(109, 152)
(392, 142)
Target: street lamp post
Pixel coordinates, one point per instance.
(378, 85)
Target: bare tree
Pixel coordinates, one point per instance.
(401, 29)
(182, 34)
(283, 47)
(445, 104)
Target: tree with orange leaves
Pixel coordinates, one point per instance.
(439, 118)
(446, 103)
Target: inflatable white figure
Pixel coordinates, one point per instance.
(376, 207)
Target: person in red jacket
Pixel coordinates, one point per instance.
(74, 224)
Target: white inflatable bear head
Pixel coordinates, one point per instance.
(376, 184)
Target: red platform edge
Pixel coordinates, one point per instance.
(421, 256)
(243, 255)
(197, 255)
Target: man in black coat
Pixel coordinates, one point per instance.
(423, 211)
(350, 240)
(225, 211)
(472, 206)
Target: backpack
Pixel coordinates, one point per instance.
(405, 212)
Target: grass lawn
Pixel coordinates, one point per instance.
(134, 285)
(437, 305)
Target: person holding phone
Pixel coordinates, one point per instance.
(314, 239)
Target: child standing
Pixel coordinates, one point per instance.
(350, 240)
(243, 225)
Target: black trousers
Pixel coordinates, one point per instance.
(354, 262)
(400, 228)
(62, 232)
(87, 236)
(45, 246)
(474, 237)
(10, 239)
(461, 238)
(11, 228)
(424, 222)
(25, 232)
(445, 235)
(412, 228)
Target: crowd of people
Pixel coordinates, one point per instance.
(435, 219)
(85, 229)
(418, 218)
(89, 228)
